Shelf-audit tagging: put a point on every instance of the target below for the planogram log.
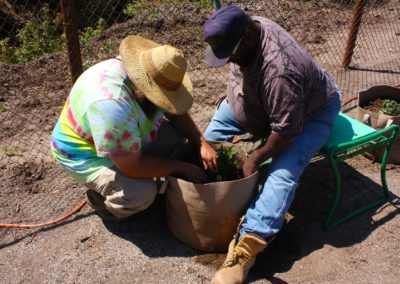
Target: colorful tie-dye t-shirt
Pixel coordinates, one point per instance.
(101, 118)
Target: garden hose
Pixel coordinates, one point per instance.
(48, 223)
(346, 102)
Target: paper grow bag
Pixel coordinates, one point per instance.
(206, 216)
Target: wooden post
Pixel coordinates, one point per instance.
(352, 38)
(72, 37)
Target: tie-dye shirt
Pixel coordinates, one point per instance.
(101, 118)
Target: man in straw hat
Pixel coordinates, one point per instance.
(276, 91)
(112, 134)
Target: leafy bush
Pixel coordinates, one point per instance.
(138, 7)
(89, 33)
(6, 52)
(391, 107)
(39, 35)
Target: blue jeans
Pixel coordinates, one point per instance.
(266, 213)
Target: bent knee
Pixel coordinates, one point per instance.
(132, 199)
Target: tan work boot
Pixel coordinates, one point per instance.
(240, 258)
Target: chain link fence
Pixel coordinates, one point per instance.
(45, 44)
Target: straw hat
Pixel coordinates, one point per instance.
(159, 72)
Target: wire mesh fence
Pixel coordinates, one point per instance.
(43, 48)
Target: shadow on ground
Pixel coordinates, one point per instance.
(300, 237)
(148, 230)
(304, 234)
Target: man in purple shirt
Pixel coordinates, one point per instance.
(275, 91)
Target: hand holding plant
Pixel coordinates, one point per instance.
(228, 167)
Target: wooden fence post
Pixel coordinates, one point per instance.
(72, 37)
(352, 38)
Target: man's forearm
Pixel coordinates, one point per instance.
(275, 144)
(148, 167)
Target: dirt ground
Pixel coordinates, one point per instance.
(85, 249)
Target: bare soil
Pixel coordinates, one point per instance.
(84, 249)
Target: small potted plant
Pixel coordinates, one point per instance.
(379, 107)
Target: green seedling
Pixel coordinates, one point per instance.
(227, 165)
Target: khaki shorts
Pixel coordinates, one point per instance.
(124, 196)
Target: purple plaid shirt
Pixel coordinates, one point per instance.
(281, 89)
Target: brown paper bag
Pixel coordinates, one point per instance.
(206, 216)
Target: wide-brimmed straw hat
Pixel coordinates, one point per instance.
(159, 71)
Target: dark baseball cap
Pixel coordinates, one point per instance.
(223, 31)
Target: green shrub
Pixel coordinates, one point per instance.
(89, 33)
(138, 7)
(7, 52)
(39, 35)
